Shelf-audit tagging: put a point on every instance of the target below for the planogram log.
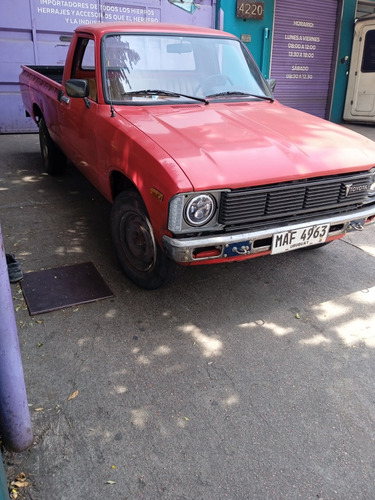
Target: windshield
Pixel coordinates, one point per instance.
(139, 67)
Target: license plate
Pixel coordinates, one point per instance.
(299, 238)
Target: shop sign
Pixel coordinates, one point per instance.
(250, 10)
(53, 14)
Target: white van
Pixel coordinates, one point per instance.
(360, 94)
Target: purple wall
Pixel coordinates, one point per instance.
(31, 31)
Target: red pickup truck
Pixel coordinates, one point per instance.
(176, 127)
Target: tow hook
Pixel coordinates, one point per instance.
(355, 226)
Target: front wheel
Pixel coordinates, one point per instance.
(139, 253)
(54, 160)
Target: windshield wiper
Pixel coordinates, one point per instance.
(241, 94)
(167, 93)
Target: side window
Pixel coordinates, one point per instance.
(84, 64)
(88, 59)
(368, 60)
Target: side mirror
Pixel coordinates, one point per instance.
(272, 84)
(77, 88)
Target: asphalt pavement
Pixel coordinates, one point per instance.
(252, 380)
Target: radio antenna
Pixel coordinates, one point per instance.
(110, 96)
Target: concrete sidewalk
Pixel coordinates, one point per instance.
(245, 381)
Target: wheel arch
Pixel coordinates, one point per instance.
(37, 113)
(157, 213)
(119, 182)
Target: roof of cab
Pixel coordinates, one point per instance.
(99, 29)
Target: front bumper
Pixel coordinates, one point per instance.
(199, 249)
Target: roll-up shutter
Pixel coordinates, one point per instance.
(302, 53)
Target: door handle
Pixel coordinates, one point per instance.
(63, 98)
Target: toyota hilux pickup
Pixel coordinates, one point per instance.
(176, 126)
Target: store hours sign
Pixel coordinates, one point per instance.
(302, 53)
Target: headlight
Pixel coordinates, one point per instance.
(192, 211)
(200, 209)
(371, 191)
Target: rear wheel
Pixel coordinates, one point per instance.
(54, 160)
(140, 255)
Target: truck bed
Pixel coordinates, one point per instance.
(55, 73)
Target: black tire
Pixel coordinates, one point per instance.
(54, 160)
(140, 255)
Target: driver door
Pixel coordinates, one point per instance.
(79, 118)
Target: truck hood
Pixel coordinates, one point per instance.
(243, 144)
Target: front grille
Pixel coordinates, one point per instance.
(293, 201)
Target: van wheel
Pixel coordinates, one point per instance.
(140, 255)
(54, 160)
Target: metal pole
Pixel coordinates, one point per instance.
(15, 424)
